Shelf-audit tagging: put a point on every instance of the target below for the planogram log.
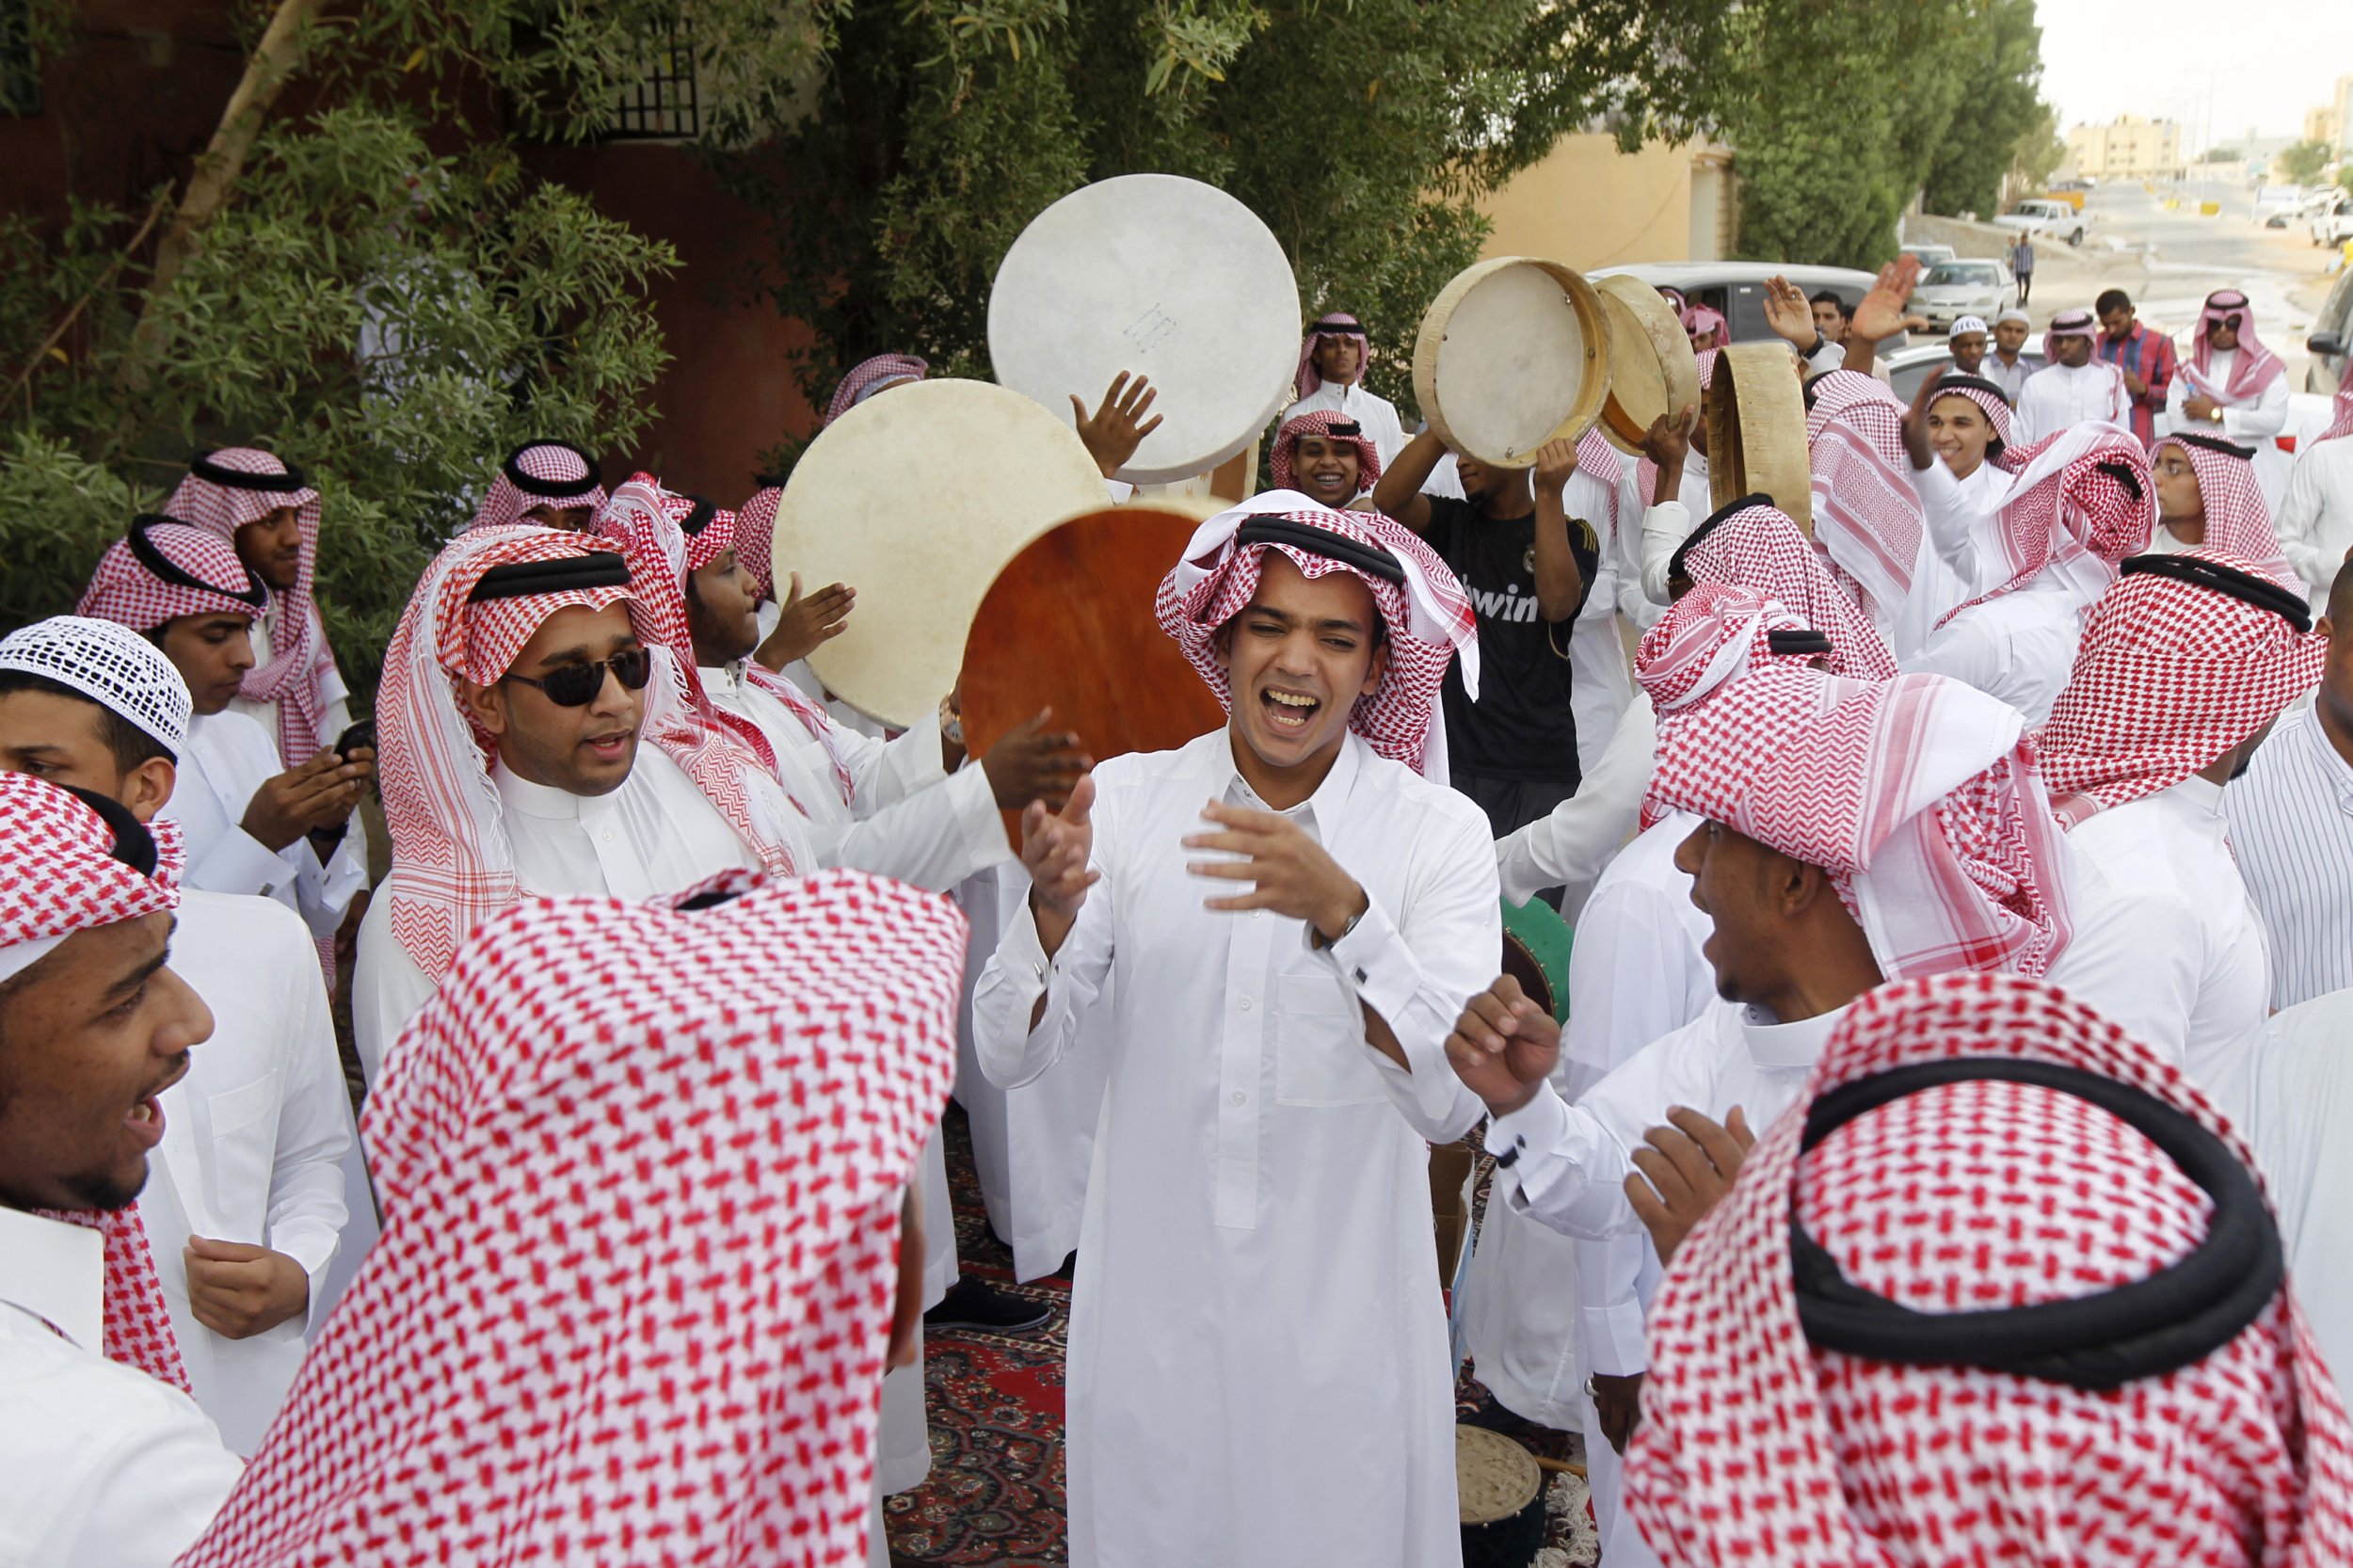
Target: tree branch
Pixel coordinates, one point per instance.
(215, 177)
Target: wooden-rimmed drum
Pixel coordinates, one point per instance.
(1756, 430)
(1651, 368)
(1500, 1490)
(1068, 624)
(915, 498)
(1512, 353)
(1163, 276)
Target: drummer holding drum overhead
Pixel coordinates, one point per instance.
(1528, 567)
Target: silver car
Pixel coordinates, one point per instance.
(1969, 286)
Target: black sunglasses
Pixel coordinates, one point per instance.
(577, 685)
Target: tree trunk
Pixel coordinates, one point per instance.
(217, 169)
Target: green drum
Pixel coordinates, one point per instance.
(1536, 943)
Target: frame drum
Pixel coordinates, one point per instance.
(1512, 353)
(1164, 276)
(1499, 1489)
(1068, 624)
(915, 498)
(1756, 430)
(1651, 368)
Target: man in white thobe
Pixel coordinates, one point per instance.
(2291, 817)
(104, 1463)
(2075, 387)
(2185, 665)
(604, 776)
(256, 1183)
(250, 825)
(1259, 1371)
(2234, 389)
(2316, 515)
(2292, 1104)
(1821, 875)
(1331, 377)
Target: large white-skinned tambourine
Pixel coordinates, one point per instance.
(1513, 353)
(1165, 277)
(917, 498)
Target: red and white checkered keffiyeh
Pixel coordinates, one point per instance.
(164, 570)
(1757, 546)
(869, 377)
(2251, 368)
(1705, 318)
(1319, 422)
(1712, 634)
(1867, 515)
(1998, 414)
(1646, 472)
(539, 474)
(1332, 325)
(641, 1168)
(59, 875)
(2084, 499)
(2239, 519)
(1430, 620)
(650, 524)
(452, 864)
(1918, 795)
(299, 657)
(1758, 1450)
(2342, 424)
(756, 534)
(2167, 677)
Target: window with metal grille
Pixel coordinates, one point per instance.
(662, 103)
(20, 70)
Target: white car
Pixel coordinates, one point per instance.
(2334, 227)
(2045, 220)
(1971, 286)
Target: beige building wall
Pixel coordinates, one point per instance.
(2129, 148)
(1590, 206)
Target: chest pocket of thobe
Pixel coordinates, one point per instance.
(245, 1140)
(1320, 1057)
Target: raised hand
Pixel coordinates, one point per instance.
(1055, 849)
(1883, 313)
(1788, 312)
(804, 624)
(1915, 420)
(1030, 762)
(1112, 432)
(1689, 1166)
(1668, 442)
(1504, 1046)
(1556, 461)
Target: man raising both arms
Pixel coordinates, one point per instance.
(1526, 567)
(1284, 962)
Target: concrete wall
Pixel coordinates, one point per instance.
(1590, 206)
(1967, 239)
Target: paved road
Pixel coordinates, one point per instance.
(2169, 259)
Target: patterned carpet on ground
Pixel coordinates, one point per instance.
(995, 1493)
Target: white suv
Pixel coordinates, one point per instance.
(2045, 220)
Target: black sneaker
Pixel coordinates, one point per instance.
(975, 1303)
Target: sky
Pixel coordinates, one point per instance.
(2264, 62)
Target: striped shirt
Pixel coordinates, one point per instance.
(2292, 829)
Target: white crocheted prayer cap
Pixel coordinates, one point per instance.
(112, 666)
